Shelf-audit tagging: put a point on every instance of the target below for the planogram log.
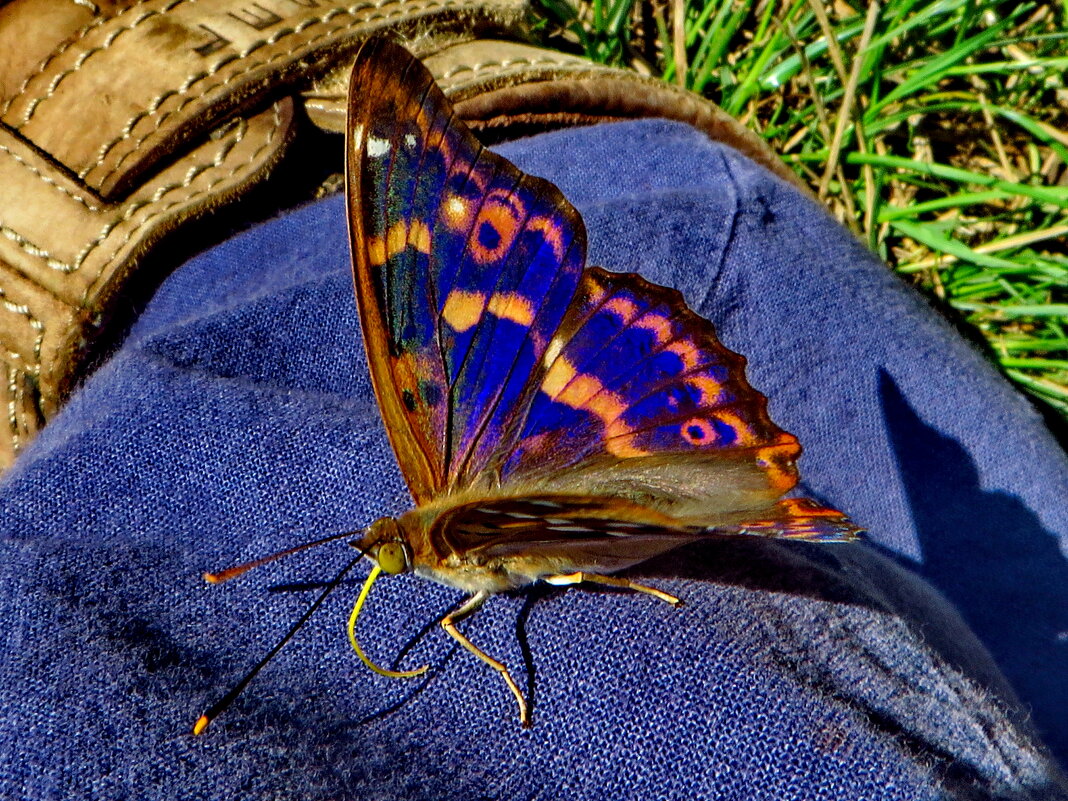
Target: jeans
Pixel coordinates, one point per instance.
(238, 419)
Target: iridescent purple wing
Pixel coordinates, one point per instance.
(633, 372)
(464, 268)
(637, 398)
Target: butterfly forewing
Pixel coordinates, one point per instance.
(464, 269)
(390, 247)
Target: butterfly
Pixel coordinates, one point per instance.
(554, 422)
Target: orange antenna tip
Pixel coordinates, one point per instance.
(201, 724)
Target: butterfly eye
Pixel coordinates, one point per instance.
(392, 557)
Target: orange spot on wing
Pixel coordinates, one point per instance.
(626, 309)
(745, 435)
(686, 351)
(463, 309)
(557, 377)
(503, 213)
(657, 324)
(400, 236)
(511, 306)
(419, 237)
(708, 387)
(564, 385)
(778, 461)
(551, 233)
(698, 431)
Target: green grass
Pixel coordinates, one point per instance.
(938, 131)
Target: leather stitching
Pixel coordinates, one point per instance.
(191, 175)
(22, 310)
(73, 196)
(33, 250)
(14, 393)
(402, 10)
(15, 388)
(571, 69)
(40, 327)
(508, 63)
(76, 37)
(58, 79)
(63, 267)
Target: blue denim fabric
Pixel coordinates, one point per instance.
(238, 419)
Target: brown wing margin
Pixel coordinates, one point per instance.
(374, 93)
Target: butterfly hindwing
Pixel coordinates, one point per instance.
(638, 399)
(634, 373)
(464, 268)
(604, 534)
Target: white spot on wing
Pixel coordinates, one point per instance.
(409, 140)
(556, 344)
(376, 147)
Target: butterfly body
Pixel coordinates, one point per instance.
(553, 421)
(499, 544)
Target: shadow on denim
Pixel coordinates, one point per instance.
(989, 554)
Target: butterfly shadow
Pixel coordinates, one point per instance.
(857, 575)
(990, 555)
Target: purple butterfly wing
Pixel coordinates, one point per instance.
(464, 268)
(638, 397)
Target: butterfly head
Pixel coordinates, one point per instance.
(385, 543)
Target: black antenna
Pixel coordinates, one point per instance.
(223, 703)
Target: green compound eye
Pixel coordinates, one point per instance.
(392, 558)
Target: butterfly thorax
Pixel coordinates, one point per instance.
(427, 554)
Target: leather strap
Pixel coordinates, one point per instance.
(119, 126)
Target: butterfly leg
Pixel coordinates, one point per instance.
(470, 606)
(568, 579)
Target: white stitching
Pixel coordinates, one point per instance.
(32, 107)
(23, 310)
(39, 326)
(575, 69)
(63, 267)
(74, 39)
(14, 391)
(49, 181)
(508, 63)
(190, 176)
(34, 250)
